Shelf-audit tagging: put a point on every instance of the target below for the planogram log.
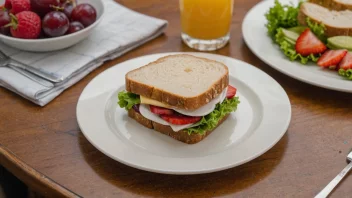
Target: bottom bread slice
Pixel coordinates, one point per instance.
(167, 130)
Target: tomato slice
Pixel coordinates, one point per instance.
(231, 92)
(179, 119)
(160, 110)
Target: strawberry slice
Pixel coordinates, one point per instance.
(26, 25)
(346, 62)
(231, 92)
(20, 6)
(307, 43)
(160, 110)
(179, 119)
(331, 58)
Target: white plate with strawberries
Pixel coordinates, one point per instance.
(256, 36)
(41, 26)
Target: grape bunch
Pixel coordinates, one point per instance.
(33, 19)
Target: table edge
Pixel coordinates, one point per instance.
(34, 179)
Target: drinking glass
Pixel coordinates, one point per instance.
(206, 23)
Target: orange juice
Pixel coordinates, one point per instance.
(206, 19)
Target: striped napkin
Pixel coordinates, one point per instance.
(120, 31)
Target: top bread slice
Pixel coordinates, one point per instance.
(337, 23)
(334, 4)
(182, 81)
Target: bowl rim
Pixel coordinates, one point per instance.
(9, 38)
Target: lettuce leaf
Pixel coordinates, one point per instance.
(346, 73)
(210, 121)
(127, 99)
(318, 29)
(284, 16)
(289, 49)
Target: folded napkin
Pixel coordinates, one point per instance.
(120, 31)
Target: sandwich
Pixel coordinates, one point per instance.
(334, 4)
(337, 23)
(182, 96)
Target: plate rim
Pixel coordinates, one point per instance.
(318, 83)
(201, 171)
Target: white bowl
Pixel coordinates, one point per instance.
(57, 43)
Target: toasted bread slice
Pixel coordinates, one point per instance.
(334, 4)
(182, 136)
(183, 81)
(337, 23)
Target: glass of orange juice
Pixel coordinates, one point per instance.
(206, 23)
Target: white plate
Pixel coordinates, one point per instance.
(258, 124)
(255, 35)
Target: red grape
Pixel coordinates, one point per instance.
(69, 1)
(4, 20)
(67, 8)
(74, 27)
(42, 7)
(55, 24)
(84, 13)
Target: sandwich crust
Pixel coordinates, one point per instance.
(334, 4)
(167, 130)
(337, 23)
(178, 101)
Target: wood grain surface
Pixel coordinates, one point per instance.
(313, 151)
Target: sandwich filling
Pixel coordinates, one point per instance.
(199, 121)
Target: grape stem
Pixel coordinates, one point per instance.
(13, 23)
(73, 2)
(57, 8)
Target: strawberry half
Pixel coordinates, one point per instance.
(231, 92)
(8, 4)
(346, 62)
(26, 25)
(20, 6)
(331, 58)
(160, 110)
(179, 119)
(307, 43)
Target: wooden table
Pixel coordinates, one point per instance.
(48, 139)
